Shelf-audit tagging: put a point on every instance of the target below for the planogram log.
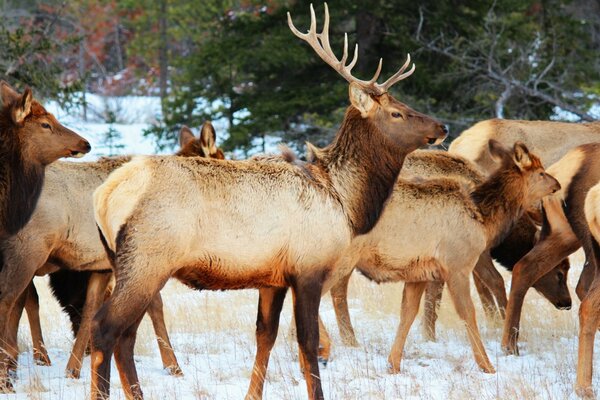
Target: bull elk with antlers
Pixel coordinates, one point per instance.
(280, 225)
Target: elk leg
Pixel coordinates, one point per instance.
(169, 360)
(411, 298)
(125, 363)
(324, 343)
(589, 316)
(307, 294)
(93, 299)
(12, 331)
(433, 298)
(546, 253)
(270, 302)
(458, 286)
(339, 295)
(485, 273)
(32, 307)
(487, 299)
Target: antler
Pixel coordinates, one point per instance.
(320, 44)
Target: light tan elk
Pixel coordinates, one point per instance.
(589, 311)
(280, 225)
(424, 164)
(30, 139)
(549, 139)
(62, 234)
(438, 229)
(564, 230)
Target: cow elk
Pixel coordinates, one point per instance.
(30, 139)
(64, 217)
(589, 311)
(564, 230)
(280, 225)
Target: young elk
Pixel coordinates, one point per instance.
(427, 164)
(564, 230)
(64, 218)
(30, 139)
(548, 139)
(280, 225)
(589, 311)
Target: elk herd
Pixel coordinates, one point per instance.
(112, 232)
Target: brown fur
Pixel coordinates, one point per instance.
(64, 219)
(564, 230)
(26, 148)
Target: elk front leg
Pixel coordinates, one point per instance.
(93, 300)
(169, 360)
(458, 286)
(32, 307)
(411, 298)
(547, 253)
(433, 298)
(307, 295)
(589, 316)
(339, 296)
(270, 302)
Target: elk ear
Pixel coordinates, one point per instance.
(360, 99)
(208, 138)
(8, 95)
(522, 156)
(22, 109)
(185, 136)
(499, 152)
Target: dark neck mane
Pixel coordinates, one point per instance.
(363, 167)
(20, 185)
(500, 201)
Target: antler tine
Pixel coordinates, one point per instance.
(398, 76)
(374, 78)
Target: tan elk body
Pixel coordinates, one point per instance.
(550, 140)
(62, 234)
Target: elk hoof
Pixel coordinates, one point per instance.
(393, 367)
(6, 386)
(511, 350)
(73, 373)
(42, 359)
(350, 342)
(174, 370)
(585, 392)
(489, 369)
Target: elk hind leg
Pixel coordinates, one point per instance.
(339, 296)
(431, 306)
(156, 313)
(270, 302)
(411, 298)
(32, 307)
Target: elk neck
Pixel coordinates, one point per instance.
(500, 201)
(363, 167)
(20, 184)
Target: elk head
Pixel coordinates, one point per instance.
(41, 137)
(203, 146)
(401, 124)
(537, 182)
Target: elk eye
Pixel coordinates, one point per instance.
(45, 125)
(396, 115)
(542, 174)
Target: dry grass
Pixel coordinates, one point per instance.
(213, 335)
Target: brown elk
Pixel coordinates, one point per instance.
(64, 218)
(280, 225)
(489, 284)
(549, 139)
(564, 230)
(30, 139)
(589, 311)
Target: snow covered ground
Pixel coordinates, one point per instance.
(213, 336)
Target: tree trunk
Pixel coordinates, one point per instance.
(163, 55)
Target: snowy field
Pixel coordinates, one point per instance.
(213, 337)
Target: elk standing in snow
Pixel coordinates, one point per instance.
(64, 219)
(279, 225)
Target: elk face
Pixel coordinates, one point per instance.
(43, 139)
(403, 126)
(553, 286)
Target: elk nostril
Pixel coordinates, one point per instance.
(445, 129)
(87, 146)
